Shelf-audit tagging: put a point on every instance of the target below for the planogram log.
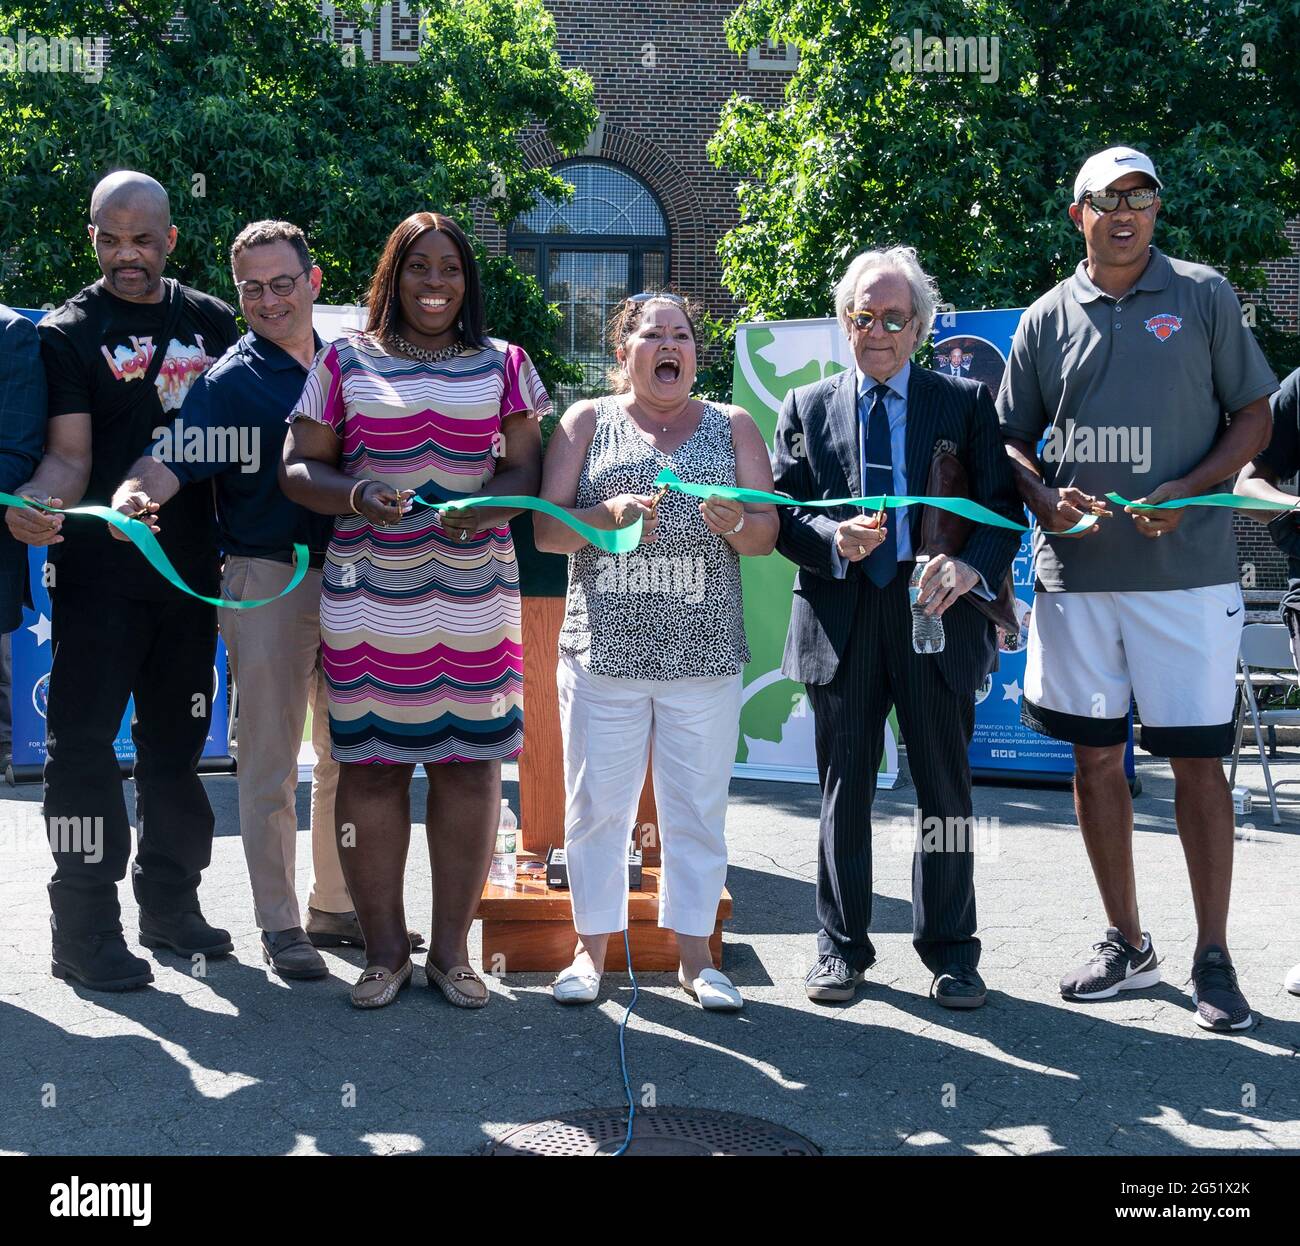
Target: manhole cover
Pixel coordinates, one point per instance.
(686, 1131)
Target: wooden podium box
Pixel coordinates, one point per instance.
(530, 929)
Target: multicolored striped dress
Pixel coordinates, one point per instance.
(421, 641)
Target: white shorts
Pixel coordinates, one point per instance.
(1174, 652)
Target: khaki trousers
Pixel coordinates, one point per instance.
(275, 656)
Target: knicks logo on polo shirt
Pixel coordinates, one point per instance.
(1164, 326)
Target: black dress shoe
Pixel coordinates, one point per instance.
(958, 986)
(187, 934)
(100, 961)
(831, 981)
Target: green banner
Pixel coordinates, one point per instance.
(776, 722)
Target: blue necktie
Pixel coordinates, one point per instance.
(878, 478)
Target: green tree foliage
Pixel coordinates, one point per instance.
(243, 112)
(976, 171)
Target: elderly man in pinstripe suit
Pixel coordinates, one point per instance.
(872, 430)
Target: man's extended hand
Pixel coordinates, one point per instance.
(856, 538)
(134, 504)
(1060, 509)
(1157, 523)
(943, 581)
(34, 527)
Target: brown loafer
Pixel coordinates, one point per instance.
(460, 984)
(343, 930)
(289, 954)
(378, 987)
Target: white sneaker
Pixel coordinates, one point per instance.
(576, 986)
(713, 990)
(1293, 980)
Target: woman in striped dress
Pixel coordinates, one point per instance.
(420, 618)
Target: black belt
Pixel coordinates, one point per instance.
(316, 561)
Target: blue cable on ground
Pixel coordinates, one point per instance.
(622, 1047)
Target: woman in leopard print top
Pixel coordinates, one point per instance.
(653, 644)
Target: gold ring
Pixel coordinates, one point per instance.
(862, 549)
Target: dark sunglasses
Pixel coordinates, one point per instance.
(864, 320)
(1137, 200)
(253, 290)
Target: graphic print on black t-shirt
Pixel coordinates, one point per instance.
(182, 366)
(97, 349)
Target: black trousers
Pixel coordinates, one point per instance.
(108, 648)
(880, 670)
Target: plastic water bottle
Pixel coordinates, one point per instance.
(927, 630)
(505, 861)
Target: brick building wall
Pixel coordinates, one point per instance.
(662, 74)
(1261, 560)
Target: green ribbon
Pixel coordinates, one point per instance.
(1237, 501)
(621, 540)
(958, 506)
(142, 537)
(612, 540)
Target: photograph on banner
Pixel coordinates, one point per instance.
(776, 721)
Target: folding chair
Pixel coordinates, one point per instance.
(1264, 661)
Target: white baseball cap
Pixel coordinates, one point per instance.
(1101, 170)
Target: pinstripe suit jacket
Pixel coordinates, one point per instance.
(815, 455)
(22, 441)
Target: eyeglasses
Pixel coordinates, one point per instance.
(656, 296)
(253, 290)
(864, 320)
(1137, 200)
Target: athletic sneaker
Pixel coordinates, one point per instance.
(1220, 1005)
(1116, 966)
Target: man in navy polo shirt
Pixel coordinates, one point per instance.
(231, 430)
(1128, 369)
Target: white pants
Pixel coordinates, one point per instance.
(608, 725)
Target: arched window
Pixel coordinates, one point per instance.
(606, 242)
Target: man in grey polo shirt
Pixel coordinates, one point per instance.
(1126, 370)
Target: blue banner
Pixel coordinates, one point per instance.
(975, 344)
(32, 651)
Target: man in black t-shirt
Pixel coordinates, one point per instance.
(119, 358)
(1279, 462)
